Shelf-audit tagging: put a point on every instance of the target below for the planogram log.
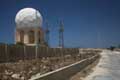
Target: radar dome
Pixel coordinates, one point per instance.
(28, 17)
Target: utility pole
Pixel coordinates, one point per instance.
(36, 38)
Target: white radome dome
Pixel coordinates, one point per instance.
(28, 17)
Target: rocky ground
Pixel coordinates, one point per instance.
(23, 70)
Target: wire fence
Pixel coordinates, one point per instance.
(9, 53)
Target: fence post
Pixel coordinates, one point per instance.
(6, 53)
(36, 52)
(24, 56)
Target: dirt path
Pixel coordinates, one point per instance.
(81, 75)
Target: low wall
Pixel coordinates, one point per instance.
(66, 72)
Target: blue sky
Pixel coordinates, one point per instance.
(87, 23)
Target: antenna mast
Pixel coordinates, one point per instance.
(47, 31)
(61, 36)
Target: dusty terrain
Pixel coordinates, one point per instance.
(85, 72)
(108, 68)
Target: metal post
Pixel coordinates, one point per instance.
(47, 31)
(61, 35)
(36, 52)
(6, 52)
(36, 39)
(24, 57)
